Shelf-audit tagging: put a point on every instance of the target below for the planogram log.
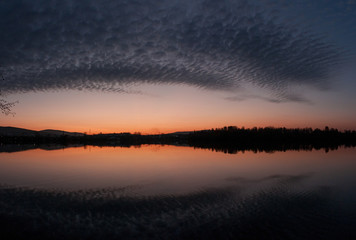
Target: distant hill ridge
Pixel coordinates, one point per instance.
(14, 131)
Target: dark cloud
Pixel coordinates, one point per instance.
(280, 98)
(107, 45)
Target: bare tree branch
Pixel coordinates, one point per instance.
(5, 106)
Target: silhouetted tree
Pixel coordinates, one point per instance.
(5, 106)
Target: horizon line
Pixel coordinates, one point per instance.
(181, 131)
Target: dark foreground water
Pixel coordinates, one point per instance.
(175, 192)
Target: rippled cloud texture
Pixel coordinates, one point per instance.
(107, 45)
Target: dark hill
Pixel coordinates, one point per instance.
(21, 132)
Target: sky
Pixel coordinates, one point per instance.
(159, 66)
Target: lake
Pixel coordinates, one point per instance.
(178, 192)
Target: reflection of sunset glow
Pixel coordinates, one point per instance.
(177, 166)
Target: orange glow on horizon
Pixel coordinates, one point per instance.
(166, 109)
(167, 130)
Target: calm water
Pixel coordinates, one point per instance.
(175, 192)
(168, 169)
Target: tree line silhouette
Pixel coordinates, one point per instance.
(229, 139)
(233, 139)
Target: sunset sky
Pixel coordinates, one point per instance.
(158, 66)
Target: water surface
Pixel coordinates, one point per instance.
(167, 169)
(177, 192)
